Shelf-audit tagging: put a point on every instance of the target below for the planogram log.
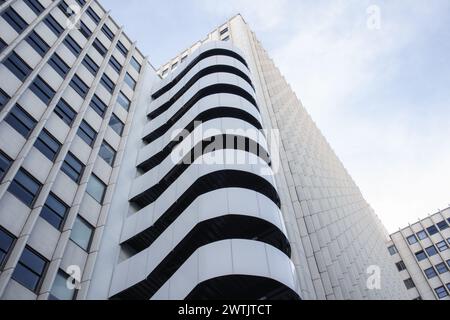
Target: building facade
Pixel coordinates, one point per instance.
(422, 256)
(203, 179)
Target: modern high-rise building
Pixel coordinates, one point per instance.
(203, 179)
(422, 256)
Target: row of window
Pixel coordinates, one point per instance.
(432, 250)
(432, 230)
(439, 268)
(442, 292)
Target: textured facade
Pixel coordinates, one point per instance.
(168, 184)
(422, 256)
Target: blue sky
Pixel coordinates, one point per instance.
(380, 96)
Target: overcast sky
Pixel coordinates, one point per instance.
(381, 96)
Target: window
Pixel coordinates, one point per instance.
(412, 239)
(123, 101)
(42, 90)
(130, 81)
(448, 262)
(107, 83)
(183, 59)
(90, 65)
(4, 98)
(48, 145)
(222, 32)
(30, 269)
(226, 38)
(441, 292)
(54, 211)
(107, 153)
(37, 43)
(94, 16)
(116, 125)
(107, 31)
(432, 230)
(14, 19)
(17, 66)
(5, 162)
(174, 66)
(421, 255)
(431, 251)
(87, 133)
(6, 243)
(99, 47)
(21, 121)
(53, 25)
(96, 189)
(442, 246)
(123, 50)
(79, 86)
(98, 105)
(60, 291)
(82, 233)
(72, 167)
(442, 225)
(68, 12)
(65, 112)
(430, 273)
(137, 65)
(35, 5)
(400, 266)
(164, 73)
(115, 64)
(25, 188)
(85, 31)
(3, 45)
(59, 65)
(441, 268)
(409, 284)
(392, 250)
(72, 45)
(422, 235)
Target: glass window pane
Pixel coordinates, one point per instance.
(81, 233)
(96, 189)
(60, 291)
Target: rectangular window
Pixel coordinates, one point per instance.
(174, 66)
(441, 292)
(72, 45)
(442, 225)
(90, 65)
(226, 38)
(115, 64)
(99, 47)
(3, 45)
(68, 12)
(14, 20)
(107, 83)
(30, 270)
(6, 243)
(116, 125)
(35, 5)
(53, 25)
(82, 233)
(123, 50)
(164, 73)
(96, 189)
(123, 101)
(107, 31)
(223, 31)
(4, 99)
(48, 145)
(25, 188)
(422, 235)
(85, 31)
(412, 239)
(21, 121)
(94, 16)
(183, 59)
(421, 255)
(65, 112)
(400, 266)
(107, 153)
(54, 211)
(38, 43)
(432, 230)
(441, 268)
(431, 251)
(136, 64)
(79, 86)
(59, 65)
(73, 167)
(442, 246)
(60, 291)
(87, 133)
(392, 250)
(42, 90)
(409, 284)
(430, 273)
(130, 81)
(17, 66)
(5, 163)
(98, 105)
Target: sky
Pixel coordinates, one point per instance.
(374, 75)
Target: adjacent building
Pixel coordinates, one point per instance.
(203, 179)
(422, 256)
